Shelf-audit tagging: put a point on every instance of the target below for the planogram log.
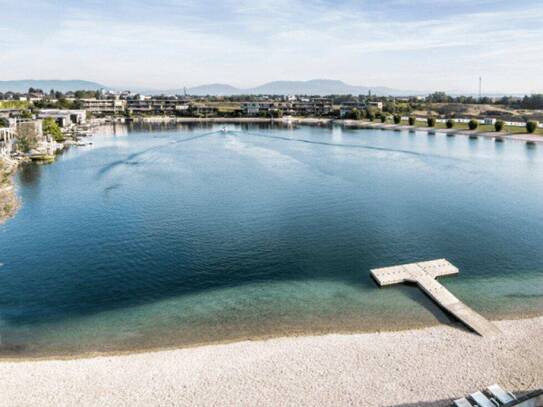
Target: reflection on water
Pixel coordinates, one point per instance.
(171, 234)
(29, 174)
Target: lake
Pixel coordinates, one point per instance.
(165, 236)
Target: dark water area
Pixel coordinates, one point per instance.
(160, 236)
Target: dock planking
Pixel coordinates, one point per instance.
(424, 274)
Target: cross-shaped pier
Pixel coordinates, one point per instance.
(424, 275)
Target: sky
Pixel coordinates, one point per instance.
(424, 45)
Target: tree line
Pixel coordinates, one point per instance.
(534, 101)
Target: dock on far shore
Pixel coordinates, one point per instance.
(424, 275)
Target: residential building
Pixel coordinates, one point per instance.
(346, 108)
(377, 105)
(64, 118)
(103, 106)
(202, 109)
(313, 107)
(156, 104)
(266, 108)
(7, 139)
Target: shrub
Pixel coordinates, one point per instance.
(25, 145)
(412, 120)
(498, 126)
(397, 119)
(431, 121)
(370, 116)
(4, 122)
(383, 118)
(51, 128)
(531, 126)
(450, 124)
(356, 114)
(473, 124)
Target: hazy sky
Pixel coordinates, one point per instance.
(405, 44)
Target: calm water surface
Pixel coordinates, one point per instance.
(157, 236)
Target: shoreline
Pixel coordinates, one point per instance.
(426, 365)
(352, 124)
(232, 120)
(498, 136)
(454, 324)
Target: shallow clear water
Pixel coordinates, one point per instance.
(159, 236)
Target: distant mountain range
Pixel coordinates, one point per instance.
(312, 87)
(46, 85)
(211, 89)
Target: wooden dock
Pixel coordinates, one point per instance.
(424, 275)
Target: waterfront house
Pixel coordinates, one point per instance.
(31, 139)
(7, 140)
(202, 109)
(376, 105)
(347, 108)
(316, 106)
(250, 108)
(141, 104)
(64, 118)
(265, 108)
(103, 106)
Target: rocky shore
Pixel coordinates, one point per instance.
(8, 198)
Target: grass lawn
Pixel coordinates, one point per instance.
(13, 104)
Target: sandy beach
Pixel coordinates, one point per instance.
(426, 367)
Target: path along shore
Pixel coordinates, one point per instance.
(360, 124)
(424, 367)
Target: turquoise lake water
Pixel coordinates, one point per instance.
(159, 236)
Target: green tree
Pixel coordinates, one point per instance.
(450, 123)
(473, 124)
(25, 145)
(412, 120)
(356, 114)
(77, 104)
(26, 114)
(4, 122)
(532, 102)
(438, 97)
(51, 128)
(431, 121)
(498, 126)
(370, 115)
(531, 126)
(383, 118)
(397, 119)
(389, 106)
(277, 114)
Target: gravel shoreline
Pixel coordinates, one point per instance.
(419, 367)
